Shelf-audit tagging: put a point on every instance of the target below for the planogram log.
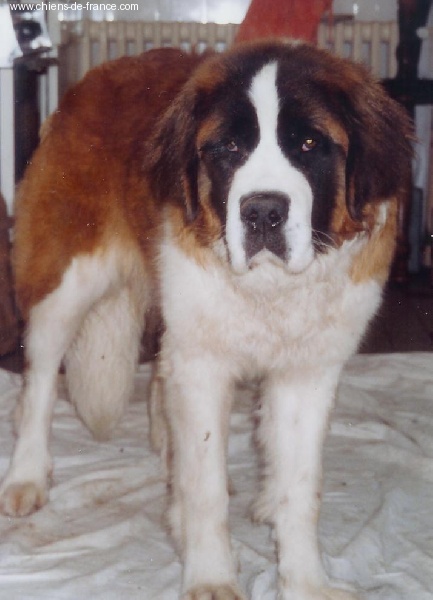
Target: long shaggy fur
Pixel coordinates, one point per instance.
(250, 200)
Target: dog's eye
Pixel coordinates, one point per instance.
(308, 144)
(232, 146)
(219, 148)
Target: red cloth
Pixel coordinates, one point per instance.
(298, 19)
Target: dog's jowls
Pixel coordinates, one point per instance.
(250, 198)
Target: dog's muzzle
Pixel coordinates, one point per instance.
(264, 216)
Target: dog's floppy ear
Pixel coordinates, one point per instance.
(380, 147)
(173, 158)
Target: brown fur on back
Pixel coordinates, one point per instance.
(76, 181)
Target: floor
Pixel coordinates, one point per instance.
(404, 323)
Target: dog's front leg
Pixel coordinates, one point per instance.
(295, 416)
(198, 399)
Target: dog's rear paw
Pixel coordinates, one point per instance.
(21, 499)
(214, 592)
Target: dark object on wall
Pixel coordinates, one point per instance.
(9, 329)
(32, 35)
(411, 91)
(30, 27)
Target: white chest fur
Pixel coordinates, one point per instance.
(267, 318)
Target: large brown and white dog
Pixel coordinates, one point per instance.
(252, 197)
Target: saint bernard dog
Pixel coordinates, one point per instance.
(250, 199)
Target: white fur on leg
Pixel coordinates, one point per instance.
(159, 429)
(198, 396)
(52, 326)
(101, 362)
(24, 488)
(295, 417)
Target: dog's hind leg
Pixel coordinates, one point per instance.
(52, 325)
(102, 360)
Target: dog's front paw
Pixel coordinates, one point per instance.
(214, 592)
(21, 499)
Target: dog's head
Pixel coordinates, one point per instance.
(277, 149)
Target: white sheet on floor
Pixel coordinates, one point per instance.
(102, 534)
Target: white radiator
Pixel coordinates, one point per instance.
(373, 44)
(85, 44)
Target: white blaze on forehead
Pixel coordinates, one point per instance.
(267, 169)
(264, 96)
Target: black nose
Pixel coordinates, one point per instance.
(264, 211)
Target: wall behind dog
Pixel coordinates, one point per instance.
(224, 11)
(197, 11)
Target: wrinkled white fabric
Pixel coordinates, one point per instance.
(102, 535)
